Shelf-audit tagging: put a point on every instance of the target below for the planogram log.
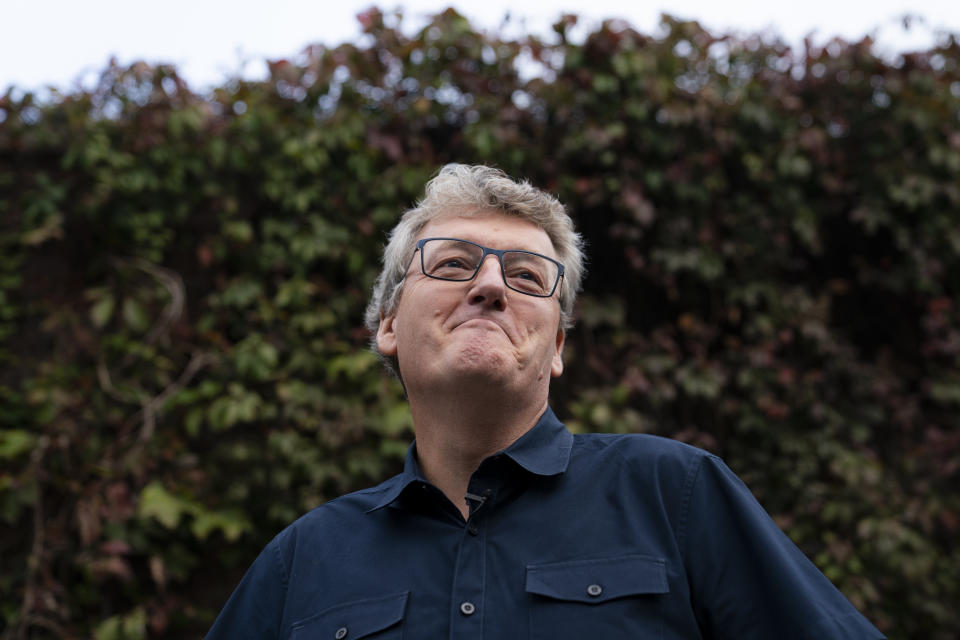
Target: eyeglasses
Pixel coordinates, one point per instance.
(460, 260)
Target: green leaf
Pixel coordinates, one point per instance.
(130, 626)
(946, 391)
(239, 230)
(397, 420)
(52, 229)
(255, 357)
(14, 442)
(102, 311)
(135, 315)
(156, 502)
(233, 523)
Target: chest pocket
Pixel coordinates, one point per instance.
(374, 618)
(609, 598)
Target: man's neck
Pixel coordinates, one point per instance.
(455, 434)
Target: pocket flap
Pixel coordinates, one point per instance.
(594, 581)
(353, 620)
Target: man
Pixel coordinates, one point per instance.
(503, 524)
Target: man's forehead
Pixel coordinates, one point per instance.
(491, 228)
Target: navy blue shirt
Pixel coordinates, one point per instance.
(587, 536)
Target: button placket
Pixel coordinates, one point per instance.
(467, 595)
(479, 501)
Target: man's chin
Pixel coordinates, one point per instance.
(482, 365)
(489, 369)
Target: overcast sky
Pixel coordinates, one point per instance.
(62, 42)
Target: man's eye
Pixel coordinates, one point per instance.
(451, 266)
(528, 276)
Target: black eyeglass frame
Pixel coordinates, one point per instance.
(487, 251)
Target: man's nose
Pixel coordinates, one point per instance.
(488, 286)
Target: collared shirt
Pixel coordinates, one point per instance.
(587, 536)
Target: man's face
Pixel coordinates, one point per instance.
(480, 331)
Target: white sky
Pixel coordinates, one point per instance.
(61, 43)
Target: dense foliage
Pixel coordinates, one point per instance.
(775, 276)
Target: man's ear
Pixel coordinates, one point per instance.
(387, 336)
(556, 367)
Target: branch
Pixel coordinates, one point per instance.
(150, 408)
(36, 549)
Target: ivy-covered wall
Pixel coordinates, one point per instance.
(774, 242)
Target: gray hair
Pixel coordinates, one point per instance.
(470, 190)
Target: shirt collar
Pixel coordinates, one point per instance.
(544, 450)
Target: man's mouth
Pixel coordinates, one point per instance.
(482, 323)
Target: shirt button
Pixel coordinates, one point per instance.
(472, 529)
(341, 633)
(467, 608)
(594, 590)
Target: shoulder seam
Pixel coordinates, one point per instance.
(692, 475)
(278, 558)
(386, 485)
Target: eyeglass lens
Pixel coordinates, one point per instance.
(459, 260)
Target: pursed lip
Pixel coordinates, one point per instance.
(483, 320)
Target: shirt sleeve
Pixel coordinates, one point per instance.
(747, 578)
(255, 609)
